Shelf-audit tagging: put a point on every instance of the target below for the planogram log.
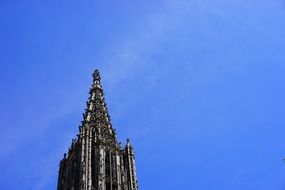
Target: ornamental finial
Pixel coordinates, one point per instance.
(96, 75)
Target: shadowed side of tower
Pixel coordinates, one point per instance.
(95, 160)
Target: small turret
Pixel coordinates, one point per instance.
(130, 166)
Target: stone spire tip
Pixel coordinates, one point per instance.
(128, 142)
(96, 75)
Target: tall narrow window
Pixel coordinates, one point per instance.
(114, 167)
(114, 187)
(107, 164)
(108, 186)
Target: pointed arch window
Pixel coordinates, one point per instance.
(107, 164)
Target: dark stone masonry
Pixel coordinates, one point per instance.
(95, 159)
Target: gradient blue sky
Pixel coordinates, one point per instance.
(198, 86)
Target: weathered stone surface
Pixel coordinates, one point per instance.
(96, 160)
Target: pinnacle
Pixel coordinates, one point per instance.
(96, 75)
(128, 143)
(97, 111)
(96, 81)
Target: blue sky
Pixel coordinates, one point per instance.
(198, 86)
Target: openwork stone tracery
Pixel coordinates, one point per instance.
(95, 160)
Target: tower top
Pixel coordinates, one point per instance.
(96, 115)
(95, 159)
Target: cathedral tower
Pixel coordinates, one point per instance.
(95, 159)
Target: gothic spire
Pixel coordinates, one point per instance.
(96, 160)
(96, 114)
